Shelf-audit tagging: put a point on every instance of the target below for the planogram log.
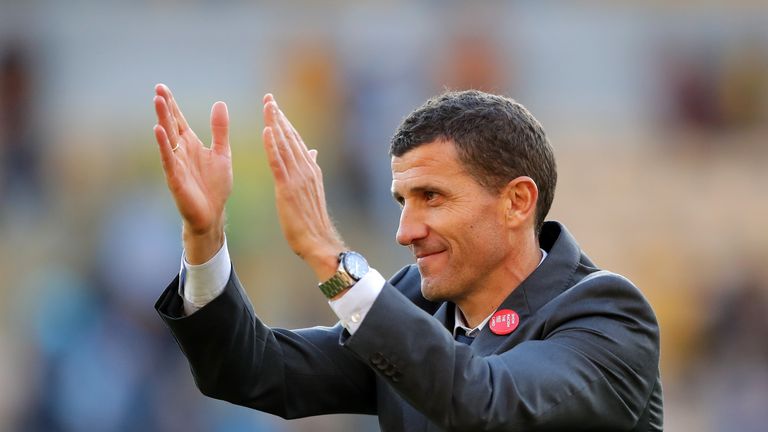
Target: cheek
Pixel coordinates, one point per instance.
(471, 227)
(485, 239)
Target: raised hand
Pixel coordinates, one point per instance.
(299, 194)
(199, 178)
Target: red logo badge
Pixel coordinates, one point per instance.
(504, 322)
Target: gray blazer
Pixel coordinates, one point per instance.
(584, 357)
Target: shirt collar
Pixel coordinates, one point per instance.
(458, 318)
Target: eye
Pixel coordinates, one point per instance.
(430, 195)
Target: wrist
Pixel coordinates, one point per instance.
(200, 247)
(352, 267)
(325, 262)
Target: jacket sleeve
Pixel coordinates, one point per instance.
(594, 366)
(235, 357)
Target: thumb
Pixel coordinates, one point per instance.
(220, 128)
(313, 155)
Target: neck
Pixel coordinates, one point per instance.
(476, 306)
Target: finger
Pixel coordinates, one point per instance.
(291, 133)
(165, 119)
(268, 98)
(282, 143)
(166, 152)
(292, 130)
(296, 145)
(276, 163)
(181, 122)
(173, 127)
(309, 154)
(220, 129)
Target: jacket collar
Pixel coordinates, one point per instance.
(552, 277)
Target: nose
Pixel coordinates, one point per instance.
(411, 228)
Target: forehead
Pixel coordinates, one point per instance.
(435, 161)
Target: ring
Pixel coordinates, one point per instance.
(176, 147)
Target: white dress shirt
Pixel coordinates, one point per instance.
(204, 282)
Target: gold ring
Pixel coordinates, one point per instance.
(176, 147)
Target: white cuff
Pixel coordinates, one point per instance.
(204, 282)
(354, 305)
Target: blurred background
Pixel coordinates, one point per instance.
(658, 112)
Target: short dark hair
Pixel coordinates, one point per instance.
(497, 140)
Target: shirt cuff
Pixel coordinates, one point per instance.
(204, 282)
(354, 305)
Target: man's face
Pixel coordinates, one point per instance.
(453, 225)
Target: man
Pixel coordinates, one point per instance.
(502, 324)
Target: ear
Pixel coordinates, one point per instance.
(521, 195)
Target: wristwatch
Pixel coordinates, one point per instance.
(352, 268)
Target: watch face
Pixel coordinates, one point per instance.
(355, 265)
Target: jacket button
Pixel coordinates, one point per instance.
(377, 358)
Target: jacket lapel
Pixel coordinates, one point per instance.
(551, 278)
(445, 314)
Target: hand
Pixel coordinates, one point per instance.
(299, 194)
(199, 178)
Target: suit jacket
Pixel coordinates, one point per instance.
(584, 356)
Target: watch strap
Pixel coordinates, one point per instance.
(336, 284)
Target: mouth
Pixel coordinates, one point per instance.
(423, 258)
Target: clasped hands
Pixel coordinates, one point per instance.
(200, 180)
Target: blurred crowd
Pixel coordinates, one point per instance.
(658, 115)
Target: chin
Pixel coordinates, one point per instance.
(431, 290)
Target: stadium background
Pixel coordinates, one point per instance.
(658, 112)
